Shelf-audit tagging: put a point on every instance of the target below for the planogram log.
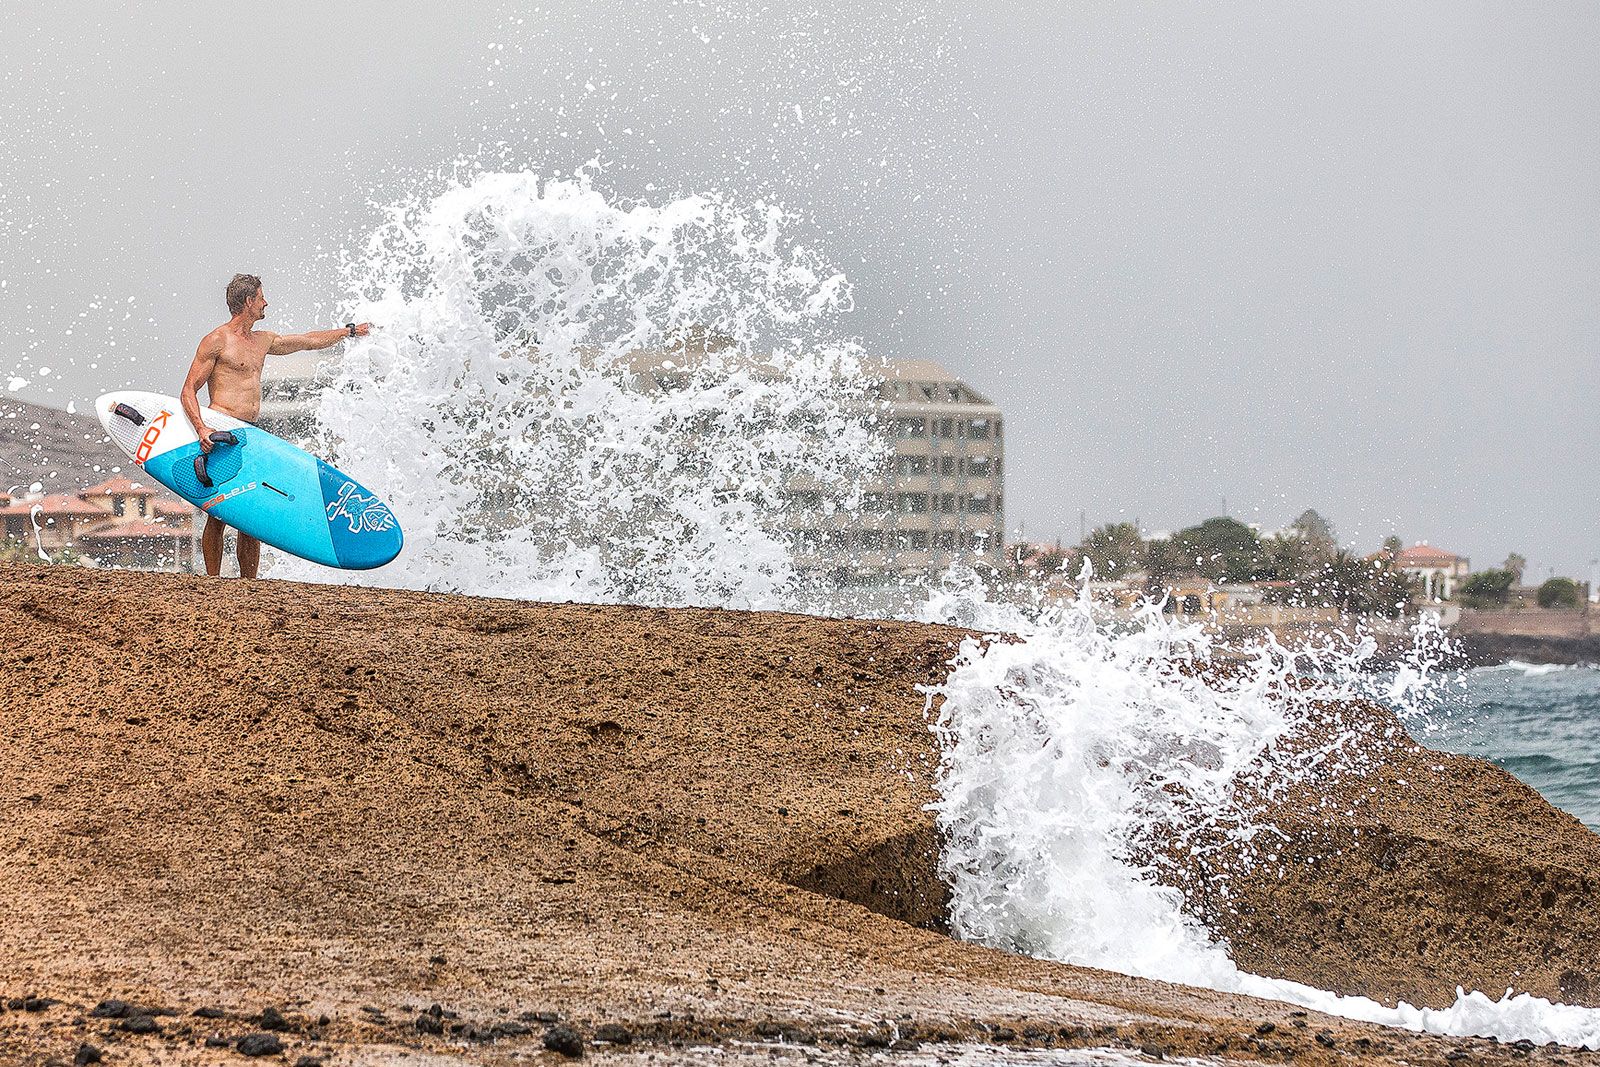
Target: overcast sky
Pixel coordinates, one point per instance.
(1333, 256)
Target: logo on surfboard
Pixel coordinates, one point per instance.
(364, 513)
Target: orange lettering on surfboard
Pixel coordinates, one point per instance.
(151, 435)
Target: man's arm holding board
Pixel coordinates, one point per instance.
(205, 361)
(316, 340)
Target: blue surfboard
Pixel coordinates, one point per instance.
(255, 482)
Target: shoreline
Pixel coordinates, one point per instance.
(693, 825)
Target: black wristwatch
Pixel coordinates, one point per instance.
(351, 327)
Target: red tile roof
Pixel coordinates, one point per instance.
(135, 531)
(57, 505)
(1424, 555)
(121, 485)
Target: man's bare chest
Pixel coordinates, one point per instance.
(241, 358)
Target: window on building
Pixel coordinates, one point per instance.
(978, 429)
(912, 466)
(944, 427)
(997, 428)
(980, 466)
(947, 464)
(980, 504)
(875, 503)
(873, 540)
(945, 539)
(144, 505)
(906, 428)
(119, 504)
(914, 503)
(911, 540)
(947, 503)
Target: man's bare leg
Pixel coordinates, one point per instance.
(211, 545)
(249, 552)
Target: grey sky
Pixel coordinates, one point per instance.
(1342, 256)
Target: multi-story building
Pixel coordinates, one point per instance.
(939, 502)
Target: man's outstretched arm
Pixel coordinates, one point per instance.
(283, 344)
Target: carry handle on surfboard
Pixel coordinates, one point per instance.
(218, 437)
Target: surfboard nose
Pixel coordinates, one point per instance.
(105, 405)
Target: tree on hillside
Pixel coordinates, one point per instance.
(1114, 549)
(1221, 549)
(1486, 589)
(1316, 532)
(1516, 565)
(1161, 564)
(1283, 559)
(1392, 546)
(1558, 593)
(1355, 586)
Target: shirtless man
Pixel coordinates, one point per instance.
(228, 363)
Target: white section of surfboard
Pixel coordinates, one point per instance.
(165, 426)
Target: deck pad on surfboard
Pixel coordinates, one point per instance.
(261, 485)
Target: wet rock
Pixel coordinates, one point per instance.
(614, 1034)
(510, 1029)
(1524, 1045)
(875, 1039)
(259, 1045)
(139, 1024)
(564, 1040)
(272, 1019)
(548, 1018)
(1004, 1033)
(218, 1041)
(37, 1003)
(111, 1009)
(1266, 1028)
(428, 1023)
(308, 1061)
(436, 960)
(208, 1013)
(1325, 1039)
(1155, 1052)
(86, 1055)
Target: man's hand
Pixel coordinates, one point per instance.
(205, 433)
(363, 328)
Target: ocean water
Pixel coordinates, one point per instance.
(1541, 722)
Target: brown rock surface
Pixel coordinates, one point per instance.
(354, 804)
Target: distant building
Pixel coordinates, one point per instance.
(942, 499)
(940, 502)
(119, 522)
(1436, 572)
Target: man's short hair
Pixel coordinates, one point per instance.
(240, 290)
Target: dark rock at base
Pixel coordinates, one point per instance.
(308, 1061)
(509, 1029)
(565, 1040)
(429, 1024)
(86, 1055)
(37, 1003)
(218, 1041)
(272, 1019)
(208, 1013)
(614, 1033)
(259, 1045)
(139, 1024)
(1155, 1052)
(548, 1018)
